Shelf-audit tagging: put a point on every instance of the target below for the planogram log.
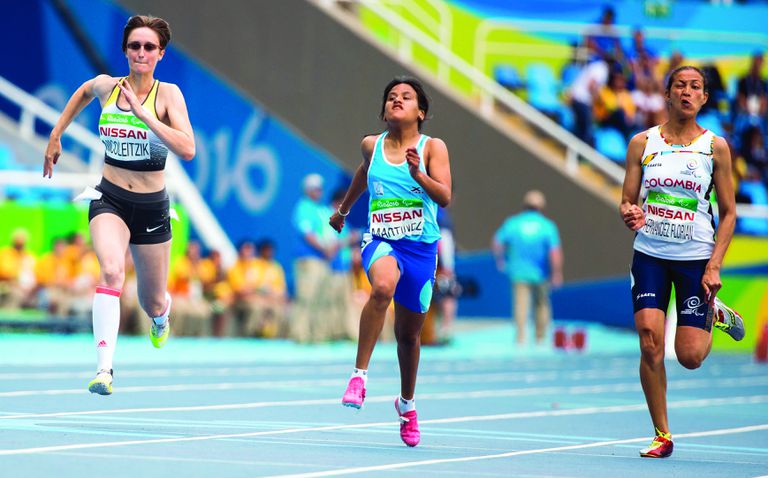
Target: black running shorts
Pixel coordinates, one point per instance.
(147, 215)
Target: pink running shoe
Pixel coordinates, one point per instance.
(355, 393)
(409, 426)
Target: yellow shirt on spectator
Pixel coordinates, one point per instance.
(608, 101)
(182, 276)
(13, 263)
(53, 270)
(270, 277)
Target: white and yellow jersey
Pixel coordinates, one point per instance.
(676, 187)
(128, 141)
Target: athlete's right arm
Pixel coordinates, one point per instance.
(92, 88)
(358, 185)
(630, 211)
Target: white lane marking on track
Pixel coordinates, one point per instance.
(393, 466)
(428, 377)
(632, 386)
(579, 411)
(272, 384)
(170, 372)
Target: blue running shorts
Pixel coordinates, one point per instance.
(417, 262)
(652, 280)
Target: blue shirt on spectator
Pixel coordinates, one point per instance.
(528, 239)
(309, 217)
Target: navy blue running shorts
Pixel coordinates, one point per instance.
(652, 280)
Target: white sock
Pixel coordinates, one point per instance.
(106, 322)
(406, 405)
(162, 319)
(358, 372)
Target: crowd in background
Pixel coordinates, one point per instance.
(613, 87)
(250, 298)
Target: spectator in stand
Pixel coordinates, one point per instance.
(613, 106)
(643, 60)
(54, 277)
(243, 279)
(582, 94)
(311, 265)
(718, 97)
(343, 321)
(271, 293)
(17, 272)
(751, 98)
(651, 109)
(74, 250)
(192, 311)
(603, 39)
(527, 248)
(216, 290)
(754, 152)
(576, 63)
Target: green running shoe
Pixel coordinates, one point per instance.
(102, 384)
(159, 333)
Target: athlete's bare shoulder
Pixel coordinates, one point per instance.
(102, 85)
(367, 145)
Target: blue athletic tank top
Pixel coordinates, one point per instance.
(399, 208)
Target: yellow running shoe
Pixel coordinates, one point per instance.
(159, 333)
(102, 384)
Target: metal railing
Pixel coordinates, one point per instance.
(178, 182)
(486, 46)
(490, 91)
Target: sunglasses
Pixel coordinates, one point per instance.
(135, 45)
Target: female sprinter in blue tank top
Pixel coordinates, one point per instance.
(673, 168)
(408, 176)
(141, 120)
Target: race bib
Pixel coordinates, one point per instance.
(669, 218)
(125, 137)
(397, 218)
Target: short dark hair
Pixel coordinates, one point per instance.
(671, 77)
(265, 244)
(158, 25)
(421, 95)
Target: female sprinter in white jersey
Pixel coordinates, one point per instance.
(141, 120)
(673, 168)
(408, 176)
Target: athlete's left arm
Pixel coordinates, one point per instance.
(437, 181)
(726, 205)
(177, 134)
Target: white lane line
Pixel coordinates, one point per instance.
(505, 416)
(170, 372)
(601, 372)
(503, 393)
(393, 466)
(337, 380)
(527, 377)
(273, 384)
